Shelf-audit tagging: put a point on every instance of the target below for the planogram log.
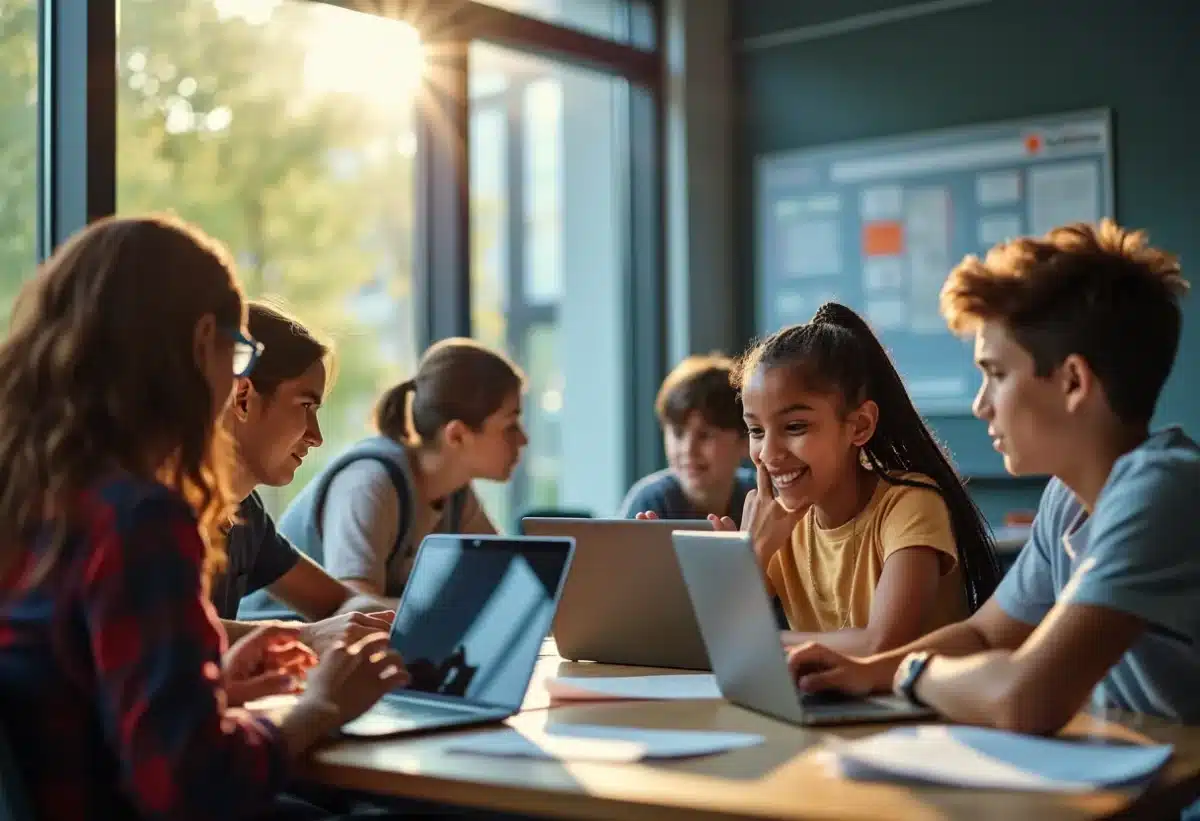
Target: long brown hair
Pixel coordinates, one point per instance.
(98, 373)
(457, 378)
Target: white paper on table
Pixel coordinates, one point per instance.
(588, 742)
(993, 759)
(633, 688)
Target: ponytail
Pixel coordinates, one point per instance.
(392, 412)
(836, 351)
(458, 379)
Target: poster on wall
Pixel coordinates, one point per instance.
(877, 225)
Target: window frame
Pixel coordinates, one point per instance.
(77, 142)
(77, 117)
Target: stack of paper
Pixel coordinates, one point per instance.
(978, 757)
(586, 742)
(623, 688)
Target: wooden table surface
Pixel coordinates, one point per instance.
(781, 778)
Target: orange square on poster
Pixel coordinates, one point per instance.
(882, 238)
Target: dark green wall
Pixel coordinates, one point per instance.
(1002, 60)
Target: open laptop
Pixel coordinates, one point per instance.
(740, 632)
(624, 601)
(470, 625)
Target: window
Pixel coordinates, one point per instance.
(625, 21)
(286, 130)
(548, 167)
(18, 147)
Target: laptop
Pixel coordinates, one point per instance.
(742, 638)
(470, 626)
(624, 601)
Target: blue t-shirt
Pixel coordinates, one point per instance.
(662, 493)
(1139, 553)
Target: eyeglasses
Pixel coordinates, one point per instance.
(246, 352)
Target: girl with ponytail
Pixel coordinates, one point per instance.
(457, 420)
(860, 524)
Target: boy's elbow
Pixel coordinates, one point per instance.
(1021, 708)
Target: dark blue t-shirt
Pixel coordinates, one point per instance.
(662, 493)
(258, 556)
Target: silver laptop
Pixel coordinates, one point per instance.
(624, 601)
(470, 626)
(742, 637)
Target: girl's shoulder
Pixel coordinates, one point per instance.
(123, 508)
(900, 488)
(125, 494)
(128, 518)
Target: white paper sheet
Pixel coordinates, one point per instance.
(588, 742)
(998, 188)
(1060, 193)
(996, 228)
(633, 688)
(991, 759)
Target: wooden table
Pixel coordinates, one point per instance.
(779, 779)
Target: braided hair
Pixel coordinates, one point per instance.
(837, 351)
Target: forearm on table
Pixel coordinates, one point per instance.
(954, 640)
(307, 722)
(975, 689)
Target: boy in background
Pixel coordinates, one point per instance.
(705, 439)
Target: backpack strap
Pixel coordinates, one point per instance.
(404, 494)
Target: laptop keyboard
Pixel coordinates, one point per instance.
(840, 703)
(414, 709)
(825, 699)
(395, 716)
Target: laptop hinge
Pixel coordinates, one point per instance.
(453, 704)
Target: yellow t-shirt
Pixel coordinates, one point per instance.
(826, 578)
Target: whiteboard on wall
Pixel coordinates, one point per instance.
(877, 225)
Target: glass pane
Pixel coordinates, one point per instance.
(18, 147)
(626, 21)
(286, 130)
(548, 229)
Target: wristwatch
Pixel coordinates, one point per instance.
(907, 675)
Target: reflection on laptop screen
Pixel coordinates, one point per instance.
(474, 614)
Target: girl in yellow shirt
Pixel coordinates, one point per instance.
(860, 524)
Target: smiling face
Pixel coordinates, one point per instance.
(1028, 416)
(703, 456)
(806, 440)
(274, 433)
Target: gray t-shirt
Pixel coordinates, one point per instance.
(360, 524)
(1138, 553)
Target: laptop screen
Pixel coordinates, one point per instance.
(475, 612)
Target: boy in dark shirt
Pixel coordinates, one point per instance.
(705, 441)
